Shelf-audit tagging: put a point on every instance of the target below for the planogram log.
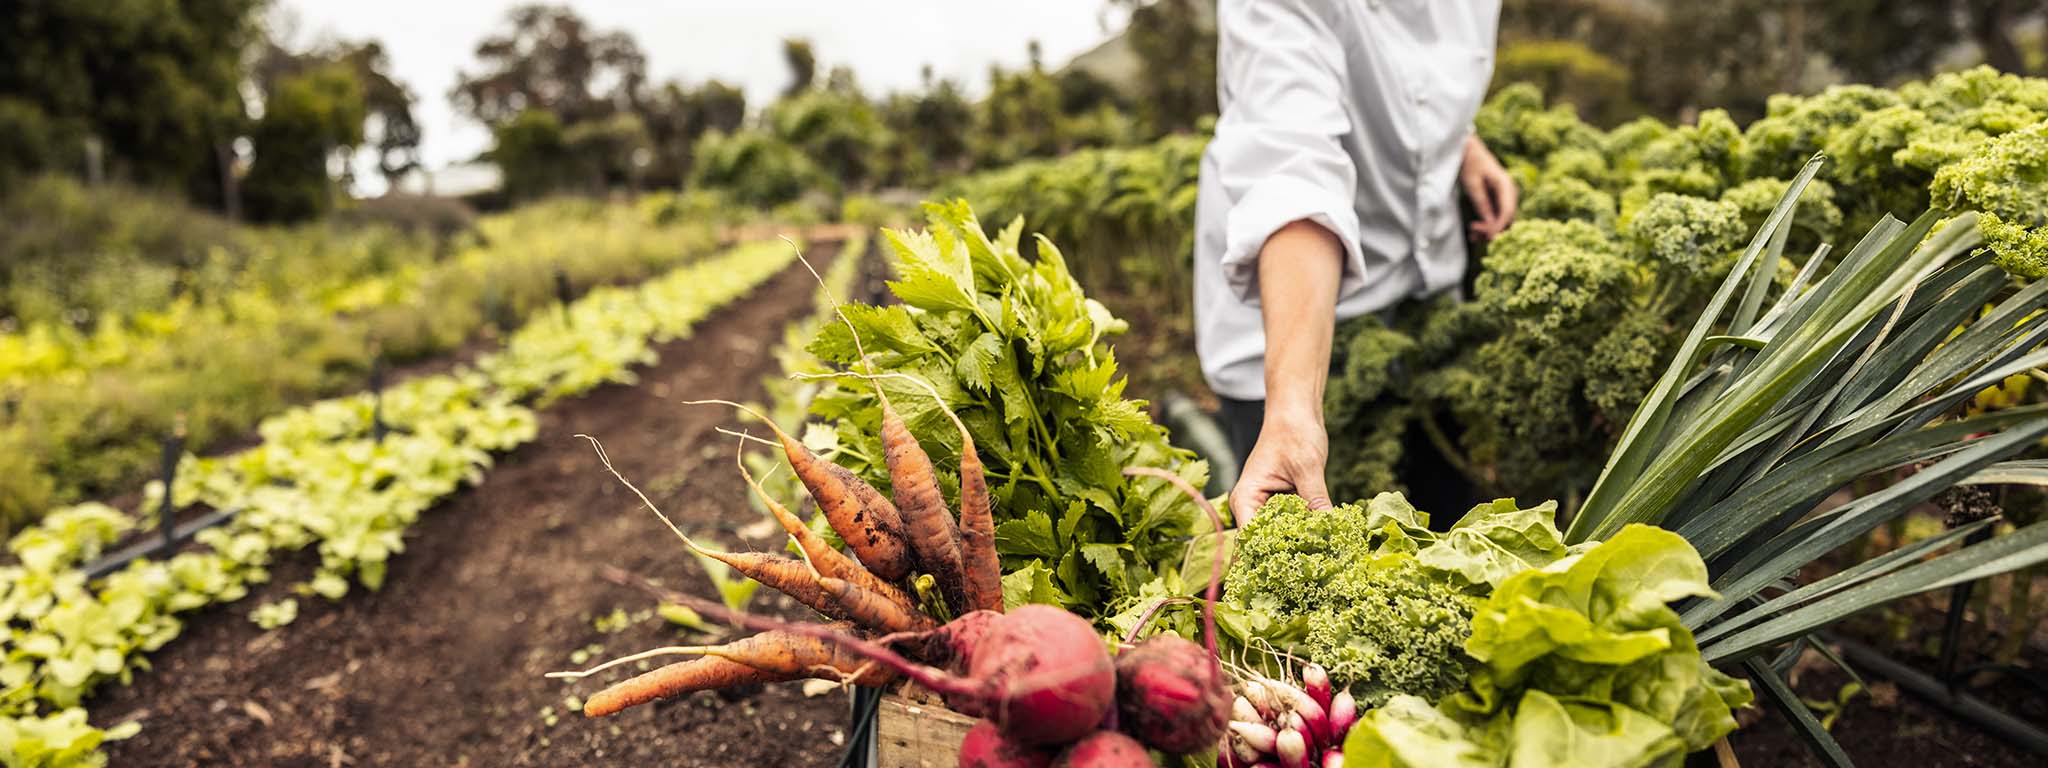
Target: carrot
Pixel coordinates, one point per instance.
(795, 655)
(822, 556)
(873, 610)
(875, 535)
(982, 582)
(933, 535)
(782, 574)
(675, 680)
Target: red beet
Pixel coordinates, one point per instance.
(985, 747)
(1170, 696)
(1039, 672)
(1105, 749)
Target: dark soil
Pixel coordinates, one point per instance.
(1888, 725)
(498, 586)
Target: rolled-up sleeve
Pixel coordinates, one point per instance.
(1278, 151)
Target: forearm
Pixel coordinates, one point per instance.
(1299, 268)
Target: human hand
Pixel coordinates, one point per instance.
(1290, 456)
(1491, 190)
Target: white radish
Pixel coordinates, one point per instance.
(1292, 748)
(1333, 759)
(1258, 736)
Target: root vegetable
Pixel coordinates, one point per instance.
(933, 535)
(875, 536)
(821, 555)
(1241, 709)
(1170, 697)
(1171, 693)
(1259, 736)
(985, 747)
(1292, 749)
(873, 609)
(1039, 673)
(1333, 759)
(1105, 749)
(984, 570)
(675, 680)
(1343, 713)
(1315, 681)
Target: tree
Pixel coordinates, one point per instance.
(676, 116)
(156, 84)
(1175, 42)
(803, 65)
(532, 151)
(551, 59)
(311, 120)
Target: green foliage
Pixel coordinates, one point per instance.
(754, 167)
(319, 479)
(157, 84)
(237, 324)
(1016, 350)
(2006, 180)
(1581, 663)
(308, 118)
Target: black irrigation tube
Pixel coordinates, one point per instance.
(1946, 695)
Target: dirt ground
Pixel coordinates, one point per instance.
(498, 586)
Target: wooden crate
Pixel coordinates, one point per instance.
(918, 733)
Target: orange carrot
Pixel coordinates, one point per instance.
(978, 533)
(874, 611)
(933, 535)
(787, 653)
(675, 680)
(983, 570)
(783, 574)
(826, 560)
(875, 535)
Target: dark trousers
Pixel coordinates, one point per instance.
(1241, 421)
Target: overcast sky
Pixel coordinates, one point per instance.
(886, 42)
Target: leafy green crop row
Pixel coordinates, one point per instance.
(85, 409)
(319, 480)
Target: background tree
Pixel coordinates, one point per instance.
(532, 151)
(1175, 42)
(551, 59)
(312, 121)
(803, 65)
(157, 85)
(676, 116)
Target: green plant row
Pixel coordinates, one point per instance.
(320, 479)
(86, 408)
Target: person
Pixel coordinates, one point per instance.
(1331, 191)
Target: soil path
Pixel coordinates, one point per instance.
(498, 586)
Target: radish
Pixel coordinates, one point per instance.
(985, 747)
(1333, 759)
(1258, 736)
(1343, 713)
(1242, 749)
(1292, 747)
(1242, 710)
(1316, 682)
(1105, 749)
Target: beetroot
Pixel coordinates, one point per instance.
(1039, 672)
(985, 747)
(1170, 696)
(1105, 749)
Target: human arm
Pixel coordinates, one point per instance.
(1299, 267)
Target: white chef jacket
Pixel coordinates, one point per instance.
(1352, 114)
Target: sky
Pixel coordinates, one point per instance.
(886, 42)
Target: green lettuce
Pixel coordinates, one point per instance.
(1578, 663)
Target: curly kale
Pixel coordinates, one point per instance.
(1379, 620)
(1567, 198)
(1547, 279)
(1684, 234)
(2006, 181)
